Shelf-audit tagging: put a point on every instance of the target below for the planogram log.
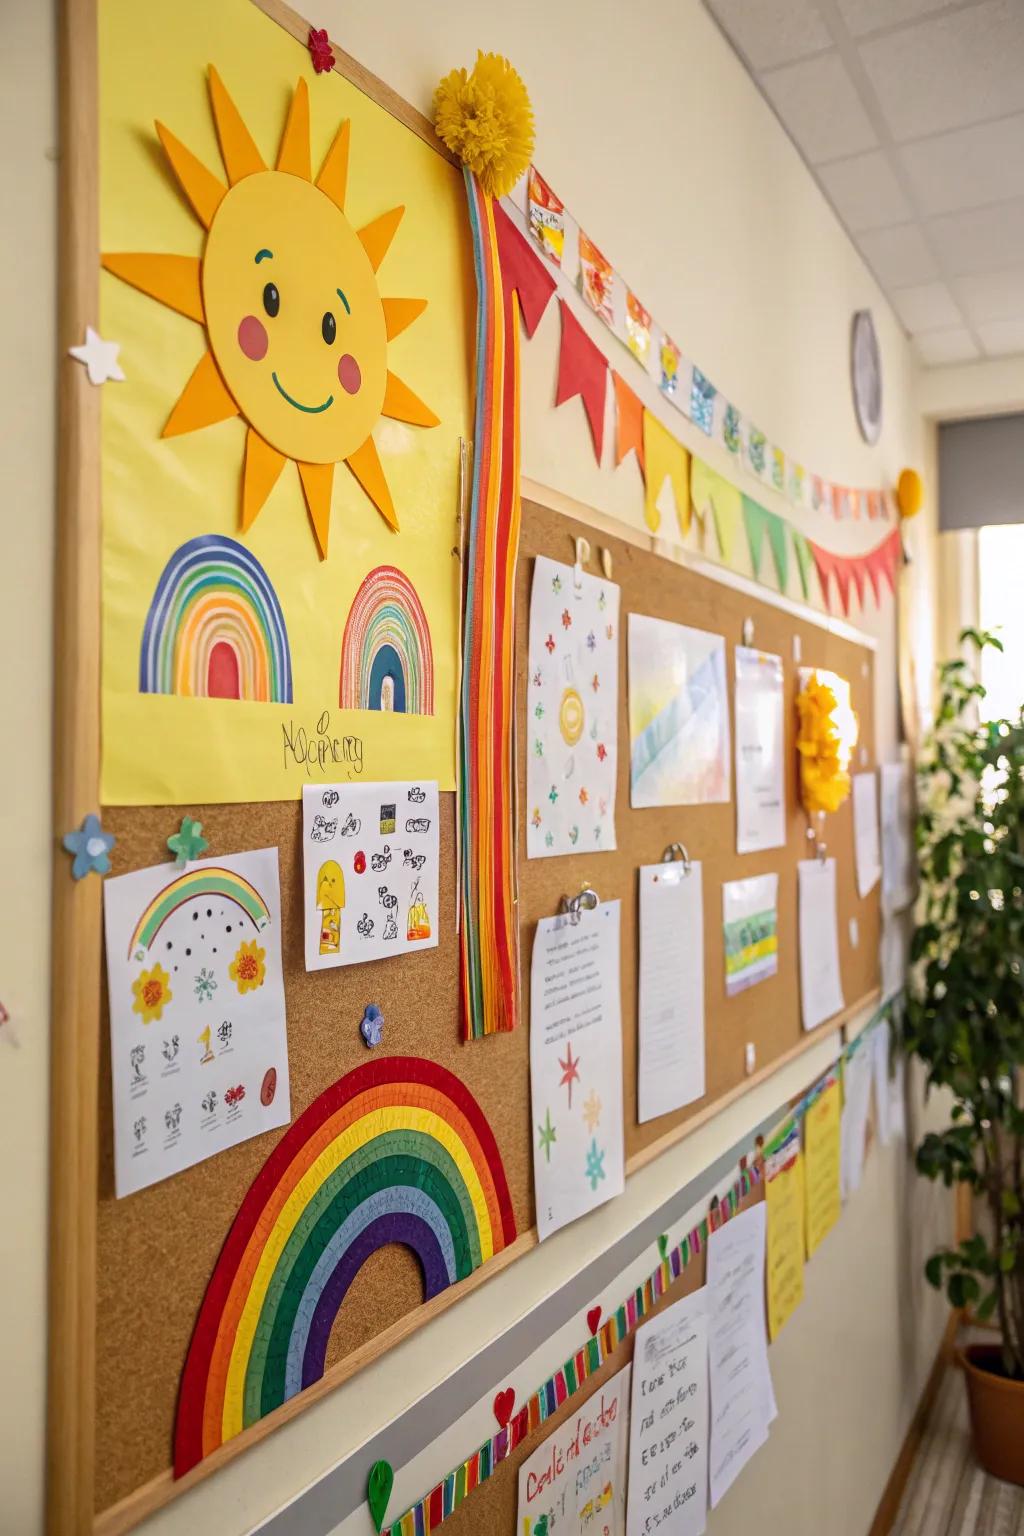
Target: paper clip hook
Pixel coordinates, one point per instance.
(574, 906)
(676, 852)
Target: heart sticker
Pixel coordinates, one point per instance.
(594, 1319)
(503, 1405)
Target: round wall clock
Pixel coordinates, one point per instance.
(866, 376)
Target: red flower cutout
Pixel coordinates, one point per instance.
(320, 50)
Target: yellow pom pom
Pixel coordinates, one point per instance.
(823, 784)
(486, 119)
(909, 493)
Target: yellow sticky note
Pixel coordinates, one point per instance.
(784, 1195)
(821, 1171)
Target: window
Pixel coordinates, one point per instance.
(1001, 608)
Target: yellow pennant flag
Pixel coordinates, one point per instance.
(668, 466)
(711, 492)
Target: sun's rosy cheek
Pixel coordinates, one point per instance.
(349, 376)
(252, 338)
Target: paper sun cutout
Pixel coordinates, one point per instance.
(99, 357)
(188, 843)
(296, 328)
(91, 848)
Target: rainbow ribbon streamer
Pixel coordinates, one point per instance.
(489, 934)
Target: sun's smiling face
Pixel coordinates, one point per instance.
(296, 323)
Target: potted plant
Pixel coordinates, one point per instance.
(965, 1020)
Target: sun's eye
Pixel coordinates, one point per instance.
(329, 328)
(271, 300)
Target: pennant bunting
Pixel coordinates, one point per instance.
(779, 548)
(668, 476)
(755, 520)
(522, 272)
(803, 559)
(710, 492)
(629, 422)
(583, 371)
(702, 402)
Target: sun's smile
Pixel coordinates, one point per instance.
(287, 289)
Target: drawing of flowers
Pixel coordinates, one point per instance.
(535, 818)
(556, 583)
(584, 797)
(602, 751)
(566, 619)
(248, 969)
(550, 643)
(205, 985)
(595, 682)
(595, 1164)
(602, 600)
(539, 711)
(591, 641)
(152, 991)
(549, 839)
(538, 747)
(552, 794)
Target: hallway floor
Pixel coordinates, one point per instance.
(948, 1494)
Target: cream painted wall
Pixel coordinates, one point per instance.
(652, 132)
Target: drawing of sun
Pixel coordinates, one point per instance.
(296, 327)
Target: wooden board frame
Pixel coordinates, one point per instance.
(77, 906)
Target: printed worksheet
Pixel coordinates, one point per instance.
(760, 745)
(574, 1484)
(670, 1002)
(576, 1065)
(198, 1043)
(742, 1399)
(668, 1423)
(821, 990)
(370, 871)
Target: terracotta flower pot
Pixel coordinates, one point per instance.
(997, 1412)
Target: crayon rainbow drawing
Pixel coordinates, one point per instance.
(205, 880)
(387, 661)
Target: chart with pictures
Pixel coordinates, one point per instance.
(198, 1043)
(370, 871)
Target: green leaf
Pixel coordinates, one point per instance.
(933, 1270)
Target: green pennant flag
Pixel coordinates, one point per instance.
(755, 518)
(780, 554)
(803, 557)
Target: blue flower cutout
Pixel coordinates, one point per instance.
(91, 848)
(372, 1026)
(188, 843)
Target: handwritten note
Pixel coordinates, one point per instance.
(574, 1484)
(784, 1200)
(742, 1401)
(821, 991)
(576, 1065)
(671, 992)
(668, 1438)
(865, 832)
(760, 740)
(822, 1142)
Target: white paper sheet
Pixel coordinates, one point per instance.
(572, 712)
(678, 714)
(576, 1065)
(198, 1042)
(574, 1484)
(857, 1077)
(742, 1398)
(760, 744)
(669, 1423)
(899, 879)
(670, 1006)
(865, 832)
(890, 1114)
(750, 921)
(894, 944)
(821, 991)
(370, 860)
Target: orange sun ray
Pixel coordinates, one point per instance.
(317, 484)
(174, 280)
(293, 156)
(333, 178)
(241, 157)
(263, 464)
(376, 237)
(366, 466)
(203, 401)
(402, 405)
(199, 185)
(400, 313)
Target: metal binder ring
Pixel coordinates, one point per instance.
(676, 852)
(575, 906)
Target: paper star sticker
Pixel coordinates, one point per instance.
(570, 1071)
(91, 847)
(547, 1136)
(595, 1165)
(592, 1108)
(188, 843)
(99, 357)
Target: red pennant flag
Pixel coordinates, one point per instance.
(843, 571)
(582, 370)
(522, 271)
(629, 422)
(872, 568)
(857, 568)
(893, 549)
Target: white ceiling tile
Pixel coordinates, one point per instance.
(968, 167)
(772, 31)
(926, 307)
(953, 346)
(820, 108)
(951, 70)
(981, 240)
(863, 16)
(1002, 338)
(865, 192)
(993, 295)
(899, 257)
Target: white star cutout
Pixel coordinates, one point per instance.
(99, 357)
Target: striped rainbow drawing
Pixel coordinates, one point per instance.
(215, 629)
(387, 661)
(205, 880)
(397, 1151)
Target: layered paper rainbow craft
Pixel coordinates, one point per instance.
(387, 661)
(397, 1151)
(206, 880)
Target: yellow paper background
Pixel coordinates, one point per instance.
(784, 1195)
(162, 749)
(821, 1165)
